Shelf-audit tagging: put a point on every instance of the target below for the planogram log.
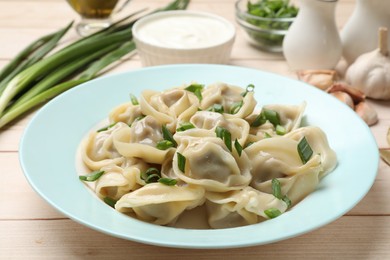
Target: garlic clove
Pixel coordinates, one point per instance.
(356, 95)
(385, 155)
(367, 113)
(321, 79)
(344, 97)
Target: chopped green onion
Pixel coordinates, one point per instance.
(164, 144)
(152, 178)
(267, 114)
(167, 181)
(272, 116)
(260, 120)
(185, 126)
(267, 135)
(238, 147)
(219, 131)
(150, 172)
(181, 162)
(280, 130)
(287, 201)
(225, 135)
(218, 108)
(93, 176)
(249, 88)
(196, 89)
(276, 189)
(272, 212)
(110, 201)
(167, 135)
(304, 150)
(134, 100)
(106, 128)
(236, 107)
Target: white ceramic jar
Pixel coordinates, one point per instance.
(313, 41)
(360, 33)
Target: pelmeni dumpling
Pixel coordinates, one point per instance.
(126, 113)
(211, 165)
(161, 204)
(240, 207)
(122, 141)
(320, 145)
(169, 106)
(228, 96)
(117, 181)
(98, 149)
(290, 117)
(206, 120)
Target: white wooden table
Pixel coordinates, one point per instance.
(31, 228)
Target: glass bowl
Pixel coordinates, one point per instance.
(265, 33)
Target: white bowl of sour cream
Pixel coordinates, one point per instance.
(183, 37)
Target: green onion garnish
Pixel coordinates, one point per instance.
(236, 107)
(181, 162)
(272, 116)
(218, 108)
(196, 89)
(150, 175)
(238, 147)
(185, 126)
(287, 201)
(152, 178)
(93, 176)
(167, 135)
(276, 189)
(106, 127)
(272, 212)
(167, 181)
(164, 144)
(249, 88)
(260, 120)
(304, 150)
(225, 135)
(109, 201)
(280, 130)
(267, 135)
(134, 100)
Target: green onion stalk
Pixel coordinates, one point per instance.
(34, 77)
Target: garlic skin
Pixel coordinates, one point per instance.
(344, 97)
(367, 113)
(370, 73)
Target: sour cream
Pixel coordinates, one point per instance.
(189, 30)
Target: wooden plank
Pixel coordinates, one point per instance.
(346, 238)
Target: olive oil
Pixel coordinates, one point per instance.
(93, 9)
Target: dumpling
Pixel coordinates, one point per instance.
(290, 117)
(161, 204)
(240, 207)
(211, 165)
(122, 141)
(169, 106)
(117, 181)
(320, 145)
(126, 113)
(146, 131)
(239, 128)
(229, 97)
(98, 150)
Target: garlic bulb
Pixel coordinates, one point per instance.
(370, 73)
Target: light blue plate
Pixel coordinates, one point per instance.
(49, 145)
